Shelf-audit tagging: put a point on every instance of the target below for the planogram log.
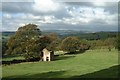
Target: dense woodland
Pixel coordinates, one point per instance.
(29, 41)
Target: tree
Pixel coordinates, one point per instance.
(4, 47)
(118, 42)
(52, 36)
(28, 41)
(70, 44)
(55, 42)
(54, 45)
(84, 45)
(110, 43)
(118, 45)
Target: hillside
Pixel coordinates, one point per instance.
(92, 64)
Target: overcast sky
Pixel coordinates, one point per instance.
(51, 15)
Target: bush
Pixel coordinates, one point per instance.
(70, 44)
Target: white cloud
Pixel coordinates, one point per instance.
(99, 3)
(21, 24)
(104, 3)
(45, 5)
(31, 16)
(76, 21)
(7, 15)
(49, 19)
(90, 14)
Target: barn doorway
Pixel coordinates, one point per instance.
(47, 58)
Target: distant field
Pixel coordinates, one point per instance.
(91, 64)
(65, 33)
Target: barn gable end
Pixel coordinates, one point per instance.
(47, 55)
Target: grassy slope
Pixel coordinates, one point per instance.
(66, 66)
(12, 57)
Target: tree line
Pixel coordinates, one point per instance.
(29, 41)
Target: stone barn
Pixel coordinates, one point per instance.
(47, 55)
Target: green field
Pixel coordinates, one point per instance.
(99, 63)
(12, 57)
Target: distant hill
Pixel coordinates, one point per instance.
(6, 35)
(64, 33)
(82, 34)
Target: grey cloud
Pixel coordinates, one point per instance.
(79, 3)
(0, 6)
(17, 7)
(26, 8)
(90, 27)
(98, 22)
(14, 25)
